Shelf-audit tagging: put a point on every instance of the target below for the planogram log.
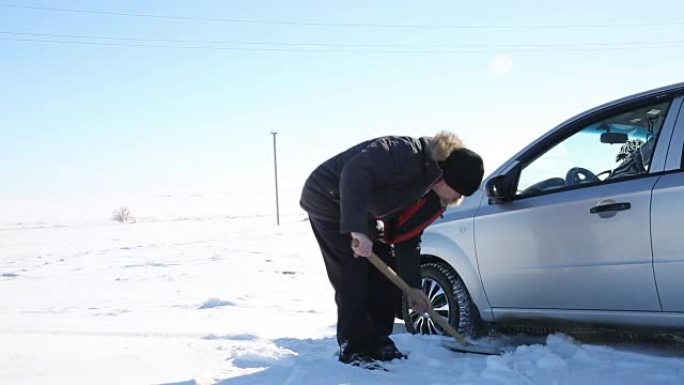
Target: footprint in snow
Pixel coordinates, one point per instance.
(215, 302)
(233, 337)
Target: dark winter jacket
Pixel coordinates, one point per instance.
(375, 179)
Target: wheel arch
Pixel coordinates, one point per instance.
(438, 248)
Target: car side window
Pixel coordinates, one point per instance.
(617, 147)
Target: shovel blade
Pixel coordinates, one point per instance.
(472, 348)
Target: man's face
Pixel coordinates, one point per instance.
(447, 195)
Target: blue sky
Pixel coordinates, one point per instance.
(87, 114)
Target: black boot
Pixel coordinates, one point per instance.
(386, 350)
(352, 353)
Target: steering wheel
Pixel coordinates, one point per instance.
(606, 173)
(572, 177)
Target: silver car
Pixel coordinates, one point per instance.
(580, 227)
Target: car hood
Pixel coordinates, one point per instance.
(466, 209)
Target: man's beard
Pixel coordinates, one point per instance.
(450, 203)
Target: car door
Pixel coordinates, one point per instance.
(667, 223)
(576, 234)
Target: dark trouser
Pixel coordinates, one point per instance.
(366, 299)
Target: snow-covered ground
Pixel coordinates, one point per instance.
(205, 290)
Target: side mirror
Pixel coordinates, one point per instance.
(495, 188)
(613, 137)
(501, 188)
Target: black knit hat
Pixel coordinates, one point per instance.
(463, 171)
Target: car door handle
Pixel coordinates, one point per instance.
(603, 208)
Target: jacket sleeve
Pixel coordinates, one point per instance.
(373, 166)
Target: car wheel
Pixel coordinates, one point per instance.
(448, 296)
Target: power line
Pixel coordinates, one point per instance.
(345, 25)
(380, 45)
(473, 51)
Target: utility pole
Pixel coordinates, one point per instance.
(275, 168)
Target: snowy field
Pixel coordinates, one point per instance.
(203, 290)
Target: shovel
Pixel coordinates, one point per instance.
(459, 344)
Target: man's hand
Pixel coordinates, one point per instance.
(418, 301)
(362, 245)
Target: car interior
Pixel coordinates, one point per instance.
(636, 131)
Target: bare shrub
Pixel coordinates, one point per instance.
(123, 215)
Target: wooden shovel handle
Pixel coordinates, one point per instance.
(408, 290)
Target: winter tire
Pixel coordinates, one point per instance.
(449, 298)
